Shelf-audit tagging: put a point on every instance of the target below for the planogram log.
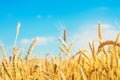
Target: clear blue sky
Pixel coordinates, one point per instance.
(42, 17)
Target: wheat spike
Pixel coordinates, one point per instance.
(109, 42)
(3, 52)
(62, 75)
(70, 47)
(63, 42)
(14, 66)
(100, 31)
(63, 50)
(17, 32)
(91, 45)
(117, 38)
(73, 56)
(6, 69)
(20, 56)
(31, 48)
(15, 50)
(65, 35)
(55, 68)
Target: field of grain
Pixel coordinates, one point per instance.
(102, 64)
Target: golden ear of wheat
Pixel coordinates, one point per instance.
(63, 42)
(20, 55)
(3, 52)
(17, 32)
(65, 35)
(100, 31)
(117, 38)
(31, 48)
(109, 42)
(17, 29)
(5, 67)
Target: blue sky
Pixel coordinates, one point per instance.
(43, 18)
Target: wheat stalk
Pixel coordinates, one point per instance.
(83, 74)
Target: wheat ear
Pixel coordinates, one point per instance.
(15, 50)
(91, 45)
(17, 32)
(3, 52)
(20, 56)
(118, 36)
(31, 48)
(109, 42)
(99, 31)
(65, 35)
(5, 67)
(63, 42)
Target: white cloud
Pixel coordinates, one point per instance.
(45, 40)
(41, 41)
(106, 26)
(91, 33)
(26, 41)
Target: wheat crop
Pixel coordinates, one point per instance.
(102, 64)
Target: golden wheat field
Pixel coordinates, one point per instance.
(102, 64)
